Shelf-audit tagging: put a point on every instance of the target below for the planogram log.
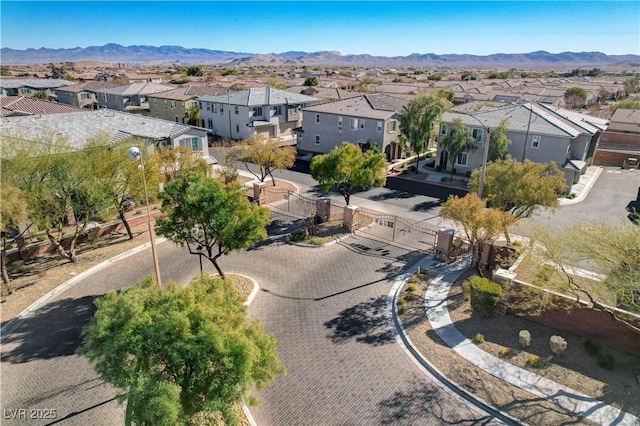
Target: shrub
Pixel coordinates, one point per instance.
(592, 348)
(401, 302)
(411, 288)
(478, 338)
(298, 236)
(402, 310)
(533, 361)
(485, 295)
(557, 344)
(525, 338)
(606, 361)
(503, 352)
(414, 279)
(409, 296)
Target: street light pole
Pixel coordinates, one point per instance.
(135, 155)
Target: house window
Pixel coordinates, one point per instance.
(214, 107)
(293, 109)
(340, 123)
(235, 109)
(257, 111)
(353, 123)
(173, 104)
(208, 107)
(317, 118)
(165, 104)
(210, 123)
(199, 105)
(278, 110)
(535, 142)
(362, 124)
(221, 109)
(461, 160)
(392, 125)
(379, 126)
(317, 139)
(177, 119)
(237, 128)
(477, 134)
(193, 143)
(443, 129)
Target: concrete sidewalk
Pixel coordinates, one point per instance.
(567, 398)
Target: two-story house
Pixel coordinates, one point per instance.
(130, 98)
(31, 86)
(82, 95)
(621, 141)
(28, 105)
(538, 132)
(265, 112)
(78, 127)
(173, 104)
(358, 120)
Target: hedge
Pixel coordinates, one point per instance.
(485, 295)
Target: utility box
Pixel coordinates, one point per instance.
(631, 163)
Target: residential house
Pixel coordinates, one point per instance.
(78, 127)
(82, 95)
(538, 132)
(265, 111)
(621, 141)
(358, 120)
(31, 86)
(130, 98)
(131, 78)
(28, 105)
(173, 104)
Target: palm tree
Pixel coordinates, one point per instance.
(458, 141)
(417, 120)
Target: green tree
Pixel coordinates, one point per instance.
(346, 168)
(118, 178)
(418, 119)
(499, 142)
(41, 95)
(457, 141)
(311, 81)
(174, 162)
(467, 76)
(13, 210)
(434, 77)
(210, 218)
(632, 85)
(575, 97)
(609, 251)
(267, 156)
(195, 71)
(520, 188)
(628, 104)
(5, 72)
(276, 84)
(479, 223)
(192, 115)
(447, 94)
(179, 353)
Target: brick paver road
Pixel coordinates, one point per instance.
(326, 306)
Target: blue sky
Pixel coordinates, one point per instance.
(374, 27)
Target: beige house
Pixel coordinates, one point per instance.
(173, 104)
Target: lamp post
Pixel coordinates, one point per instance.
(135, 155)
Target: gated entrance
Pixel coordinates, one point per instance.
(395, 229)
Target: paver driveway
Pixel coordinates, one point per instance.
(326, 306)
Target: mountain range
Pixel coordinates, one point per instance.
(171, 54)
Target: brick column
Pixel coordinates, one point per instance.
(444, 240)
(259, 195)
(351, 221)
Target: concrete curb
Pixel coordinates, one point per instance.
(252, 295)
(585, 190)
(427, 367)
(30, 310)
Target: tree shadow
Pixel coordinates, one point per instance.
(411, 406)
(426, 206)
(53, 330)
(391, 194)
(366, 322)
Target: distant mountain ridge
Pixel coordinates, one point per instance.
(113, 52)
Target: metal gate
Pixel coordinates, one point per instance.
(283, 222)
(395, 229)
